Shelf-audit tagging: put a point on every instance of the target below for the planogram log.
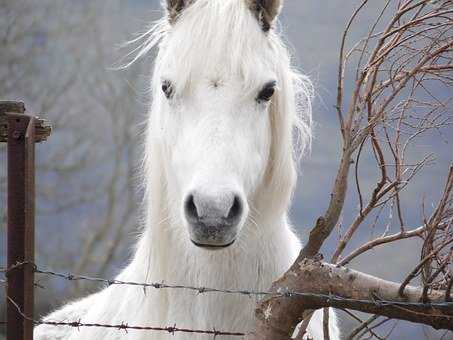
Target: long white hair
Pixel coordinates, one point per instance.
(222, 37)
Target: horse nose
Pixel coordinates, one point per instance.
(223, 209)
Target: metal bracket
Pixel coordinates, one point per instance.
(43, 127)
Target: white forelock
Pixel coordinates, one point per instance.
(223, 37)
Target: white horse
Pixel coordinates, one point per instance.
(219, 174)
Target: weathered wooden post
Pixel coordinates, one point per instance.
(20, 132)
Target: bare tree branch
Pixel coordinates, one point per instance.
(344, 288)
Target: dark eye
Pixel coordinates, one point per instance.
(167, 88)
(267, 92)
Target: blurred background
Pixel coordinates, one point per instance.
(58, 57)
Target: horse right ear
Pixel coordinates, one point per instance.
(175, 7)
(266, 11)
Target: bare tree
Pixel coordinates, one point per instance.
(396, 68)
(52, 60)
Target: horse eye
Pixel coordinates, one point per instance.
(267, 92)
(167, 88)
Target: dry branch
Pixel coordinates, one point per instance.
(349, 289)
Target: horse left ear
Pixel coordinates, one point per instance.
(266, 11)
(175, 7)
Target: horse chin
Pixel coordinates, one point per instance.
(212, 246)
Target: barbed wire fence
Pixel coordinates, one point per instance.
(125, 326)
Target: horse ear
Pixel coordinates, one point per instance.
(266, 11)
(175, 7)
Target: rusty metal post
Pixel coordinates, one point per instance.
(20, 132)
(20, 229)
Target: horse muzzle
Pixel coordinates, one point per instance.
(213, 220)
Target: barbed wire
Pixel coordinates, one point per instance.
(155, 285)
(124, 326)
(445, 305)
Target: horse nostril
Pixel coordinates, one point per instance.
(191, 209)
(235, 211)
